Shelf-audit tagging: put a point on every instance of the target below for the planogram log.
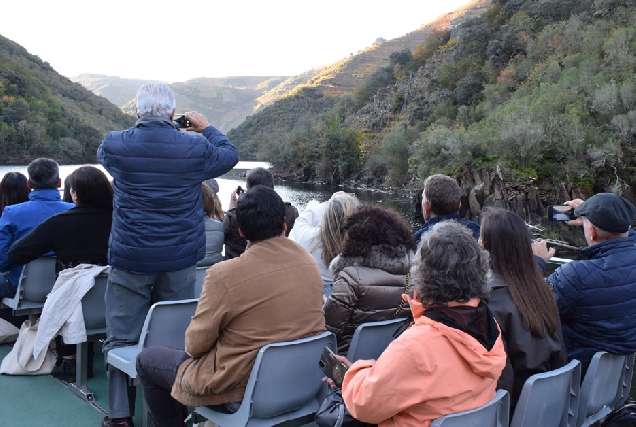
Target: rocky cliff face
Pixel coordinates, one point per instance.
(527, 198)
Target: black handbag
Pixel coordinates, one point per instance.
(625, 416)
(333, 413)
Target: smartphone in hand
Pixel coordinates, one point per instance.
(561, 213)
(332, 368)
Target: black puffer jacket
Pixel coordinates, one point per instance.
(366, 289)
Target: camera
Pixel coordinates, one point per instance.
(239, 190)
(181, 121)
(560, 213)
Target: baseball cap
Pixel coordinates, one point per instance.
(608, 211)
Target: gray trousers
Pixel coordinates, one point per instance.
(128, 298)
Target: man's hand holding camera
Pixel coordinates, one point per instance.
(198, 122)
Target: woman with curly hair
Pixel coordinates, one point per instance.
(450, 358)
(370, 272)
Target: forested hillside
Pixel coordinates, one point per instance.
(320, 89)
(45, 114)
(543, 89)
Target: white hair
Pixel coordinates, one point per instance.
(155, 99)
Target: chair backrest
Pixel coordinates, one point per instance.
(371, 339)
(625, 384)
(37, 279)
(286, 375)
(550, 398)
(200, 278)
(493, 414)
(166, 324)
(600, 386)
(94, 306)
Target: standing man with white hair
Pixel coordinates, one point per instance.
(158, 229)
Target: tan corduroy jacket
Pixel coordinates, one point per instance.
(271, 293)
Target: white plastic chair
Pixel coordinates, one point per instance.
(165, 324)
(493, 414)
(200, 278)
(600, 387)
(625, 384)
(371, 339)
(550, 399)
(36, 281)
(94, 311)
(282, 386)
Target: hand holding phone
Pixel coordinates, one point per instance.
(561, 213)
(332, 367)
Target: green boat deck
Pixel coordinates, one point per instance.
(44, 401)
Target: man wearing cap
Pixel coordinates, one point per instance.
(596, 296)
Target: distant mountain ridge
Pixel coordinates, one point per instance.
(228, 101)
(225, 101)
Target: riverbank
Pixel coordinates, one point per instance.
(520, 193)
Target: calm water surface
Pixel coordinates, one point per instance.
(296, 193)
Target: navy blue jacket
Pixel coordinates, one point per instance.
(157, 173)
(597, 299)
(473, 227)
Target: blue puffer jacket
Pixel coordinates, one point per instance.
(158, 213)
(597, 299)
(18, 220)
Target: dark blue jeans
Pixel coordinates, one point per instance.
(7, 289)
(157, 369)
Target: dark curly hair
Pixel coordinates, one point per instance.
(375, 226)
(449, 266)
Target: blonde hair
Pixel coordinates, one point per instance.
(331, 230)
(211, 203)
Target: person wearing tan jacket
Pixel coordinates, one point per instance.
(271, 293)
(450, 358)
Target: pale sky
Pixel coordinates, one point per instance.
(176, 41)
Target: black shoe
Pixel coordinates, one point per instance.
(118, 422)
(65, 371)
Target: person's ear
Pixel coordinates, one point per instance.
(174, 110)
(59, 182)
(29, 184)
(592, 232)
(427, 206)
(241, 232)
(137, 114)
(284, 227)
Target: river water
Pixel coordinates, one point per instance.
(297, 194)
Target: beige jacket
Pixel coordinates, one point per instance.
(271, 293)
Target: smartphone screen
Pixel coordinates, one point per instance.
(332, 367)
(560, 213)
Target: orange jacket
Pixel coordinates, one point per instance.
(429, 371)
